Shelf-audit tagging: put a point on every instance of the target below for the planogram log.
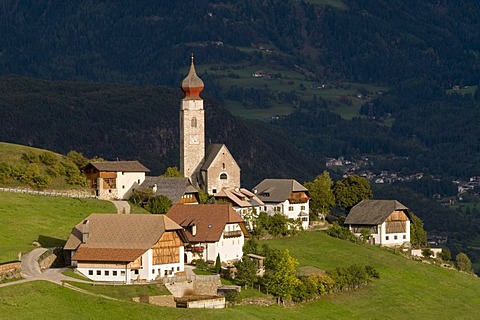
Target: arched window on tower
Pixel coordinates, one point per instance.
(223, 166)
(194, 122)
(223, 176)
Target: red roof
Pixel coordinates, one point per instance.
(210, 220)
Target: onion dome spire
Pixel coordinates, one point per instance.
(192, 85)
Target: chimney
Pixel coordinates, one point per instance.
(85, 230)
(194, 230)
(154, 188)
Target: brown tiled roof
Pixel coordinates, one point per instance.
(119, 166)
(210, 220)
(373, 212)
(107, 254)
(278, 190)
(120, 235)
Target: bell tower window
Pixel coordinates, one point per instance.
(223, 176)
(194, 122)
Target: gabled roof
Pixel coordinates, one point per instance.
(119, 237)
(277, 190)
(373, 212)
(118, 166)
(210, 220)
(241, 197)
(211, 154)
(173, 188)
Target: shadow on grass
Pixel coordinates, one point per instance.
(49, 242)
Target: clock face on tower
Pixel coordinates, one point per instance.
(194, 139)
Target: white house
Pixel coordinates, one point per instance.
(126, 248)
(285, 196)
(212, 229)
(115, 179)
(388, 221)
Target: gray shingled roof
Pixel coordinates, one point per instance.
(119, 166)
(373, 212)
(173, 188)
(277, 190)
(210, 155)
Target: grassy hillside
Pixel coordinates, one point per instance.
(406, 290)
(23, 166)
(48, 220)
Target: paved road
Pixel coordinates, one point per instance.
(31, 270)
(122, 206)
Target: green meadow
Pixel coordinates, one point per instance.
(48, 220)
(406, 289)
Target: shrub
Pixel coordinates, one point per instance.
(31, 157)
(340, 232)
(48, 158)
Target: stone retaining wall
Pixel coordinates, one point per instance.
(10, 270)
(54, 193)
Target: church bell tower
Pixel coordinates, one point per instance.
(192, 127)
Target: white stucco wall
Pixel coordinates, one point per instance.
(285, 209)
(126, 181)
(230, 249)
(390, 239)
(105, 272)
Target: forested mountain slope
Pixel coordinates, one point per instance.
(130, 122)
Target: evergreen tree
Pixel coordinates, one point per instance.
(246, 272)
(418, 235)
(159, 205)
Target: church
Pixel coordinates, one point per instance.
(211, 169)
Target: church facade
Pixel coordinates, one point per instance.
(209, 170)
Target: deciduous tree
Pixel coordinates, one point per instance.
(321, 193)
(350, 191)
(280, 278)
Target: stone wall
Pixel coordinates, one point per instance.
(193, 285)
(51, 258)
(10, 270)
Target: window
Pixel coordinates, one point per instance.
(290, 208)
(302, 208)
(223, 176)
(123, 173)
(107, 273)
(153, 271)
(122, 273)
(114, 273)
(138, 181)
(223, 166)
(99, 272)
(194, 122)
(123, 187)
(214, 190)
(386, 238)
(395, 237)
(404, 237)
(90, 272)
(135, 272)
(178, 268)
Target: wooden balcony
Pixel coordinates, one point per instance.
(232, 234)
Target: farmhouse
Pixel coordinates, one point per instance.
(388, 221)
(178, 190)
(212, 229)
(285, 196)
(126, 248)
(115, 179)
